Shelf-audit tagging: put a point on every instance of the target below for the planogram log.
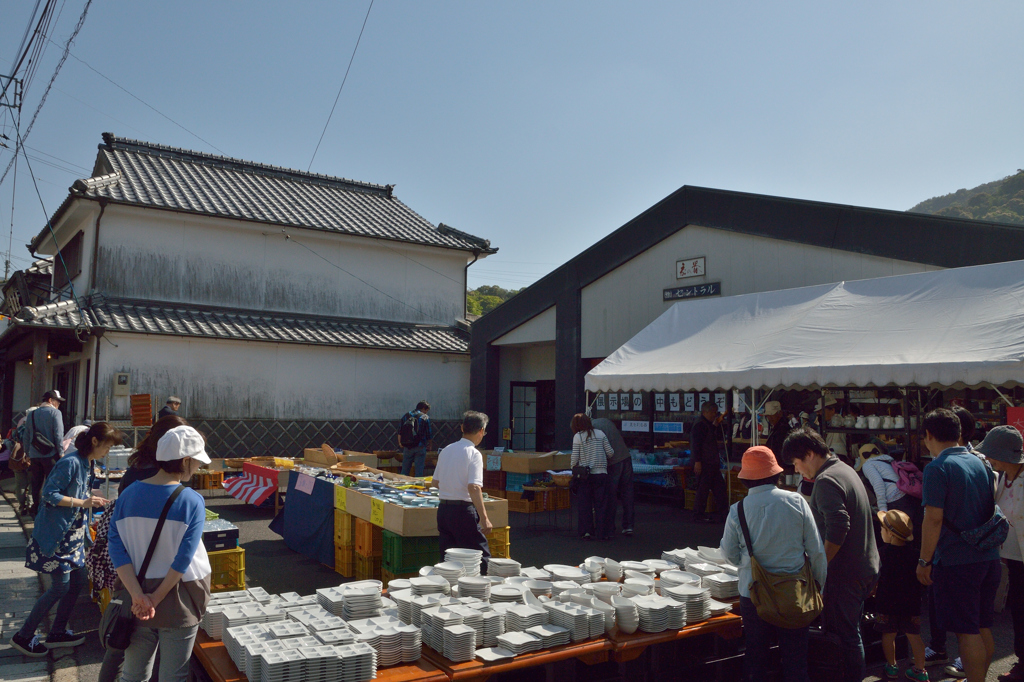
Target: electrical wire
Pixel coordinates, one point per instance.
(351, 59)
(142, 101)
(26, 47)
(56, 71)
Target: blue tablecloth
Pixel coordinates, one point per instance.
(307, 521)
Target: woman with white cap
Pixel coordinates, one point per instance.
(170, 599)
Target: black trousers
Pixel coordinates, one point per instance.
(459, 526)
(710, 480)
(1015, 601)
(39, 470)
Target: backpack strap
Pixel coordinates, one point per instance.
(746, 529)
(156, 532)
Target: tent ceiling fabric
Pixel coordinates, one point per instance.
(956, 327)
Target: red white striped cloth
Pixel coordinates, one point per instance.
(254, 486)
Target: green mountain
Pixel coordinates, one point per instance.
(484, 299)
(1001, 201)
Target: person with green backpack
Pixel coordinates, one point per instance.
(772, 538)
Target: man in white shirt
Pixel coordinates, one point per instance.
(459, 477)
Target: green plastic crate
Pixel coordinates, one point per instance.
(408, 555)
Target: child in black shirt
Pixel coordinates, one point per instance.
(898, 597)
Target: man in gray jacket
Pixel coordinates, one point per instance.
(620, 477)
(843, 515)
(48, 422)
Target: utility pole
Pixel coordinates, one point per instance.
(10, 97)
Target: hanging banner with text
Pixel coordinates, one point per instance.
(668, 427)
(693, 291)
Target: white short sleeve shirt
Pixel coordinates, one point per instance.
(459, 465)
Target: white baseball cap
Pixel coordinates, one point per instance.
(181, 442)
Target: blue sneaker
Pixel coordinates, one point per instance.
(956, 669)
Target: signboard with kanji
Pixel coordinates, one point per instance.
(690, 267)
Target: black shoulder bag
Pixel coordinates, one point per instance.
(118, 622)
(40, 442)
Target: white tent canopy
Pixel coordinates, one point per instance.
(957, 327)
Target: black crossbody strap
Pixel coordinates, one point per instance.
(995, 491)
(156, 532)
(746, 530)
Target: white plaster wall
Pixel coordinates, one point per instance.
(166, 256)
(537, 330)
(521, 363)
(81, 218)
(248, 380)
(627, 299)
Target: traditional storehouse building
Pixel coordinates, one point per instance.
(285, 308)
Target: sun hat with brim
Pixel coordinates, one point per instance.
(758, 463)
(898, 523)
(1003, 444)
(829, 402)
(772, 407)
(181, 442)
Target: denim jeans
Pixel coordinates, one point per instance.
(592, 508)
(844, 606)
(175, 651)
(620, 486)
(419, 453)
(64, 592)
(758, 635)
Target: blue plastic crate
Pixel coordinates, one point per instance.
(515, 482)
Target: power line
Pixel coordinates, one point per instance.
(63, 58)
(139, 99)
(351, 59)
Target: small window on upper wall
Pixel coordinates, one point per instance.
(71, 254)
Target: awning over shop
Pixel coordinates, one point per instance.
(956, 327)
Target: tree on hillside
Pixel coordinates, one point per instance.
(486, 298)
(1001, 201)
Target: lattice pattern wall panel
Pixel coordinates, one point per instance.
(267, 437)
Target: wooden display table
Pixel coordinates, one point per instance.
(629, 647)
(590, 652)
(218, 665)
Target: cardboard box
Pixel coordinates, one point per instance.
(361, 457)
(533, 462)
(414, 522)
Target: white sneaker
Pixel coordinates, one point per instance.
(956, 669)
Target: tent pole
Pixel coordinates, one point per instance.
(753, 418)
(1005, 399)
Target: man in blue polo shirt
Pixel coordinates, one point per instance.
(958, 496)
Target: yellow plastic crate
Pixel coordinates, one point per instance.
(228, 570)
(344, 529)
(498, 542)
(367, 568)
(344, 560)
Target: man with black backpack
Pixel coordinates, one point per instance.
(44, 441)
(415, 437)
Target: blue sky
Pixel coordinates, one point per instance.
(543, 126)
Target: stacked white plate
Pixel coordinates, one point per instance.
(358, 662)
(247, 614)
(336, 637)
(430, 584)
(257, 593)
(299, 642)
(389, 650)
(722, 585)
(361, 600)
(607, 610)
(719, 608)
(675, 556)
(659, 565)
(627, 617)
(729, 568)
(633, 587)
(282, 666)
(637, 566)
(539, 587)
(469, 558)
(696, 600)
(506, 593)
(713, 555)
(254, 654)
(570, 616)
(283, 629)
(493, 625)
(450, 571)
(560, 586)
(471, 618)
(316, 622)
(503, 568)
(213, 621)
(550, 635)
(519, 642)
(403, 600)
(536, 573)
(398, 584)
(236, 637)
(332, 599)
(494, 654)
(658, 614)
(435, 621)
(594, 568)
(612, 570)
(676, 577)
(293, 602)
(421, 604)
(459, 643)
(573, 573)
(703, 568)
(411, 642)
(521, 617)
(475, 586)
(606, 590)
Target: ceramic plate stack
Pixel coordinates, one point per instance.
(436, 620)
(659, 565)
(519, 642)
(284, 629)
(361, 600)
(475, 586)
(722, 585)
(358, 662)
(520, 618)
(574, 573)
(389, 649)
(627, 617)
(254, 654)
(257, 593)
(634, 587)
(494, 654)
(469, 558)
(696, 600)
(430, 584)
(459, 643)
(672, 612)
(612, 570)
(471, 618)
(336, 637)
(703, 568)
(411, 642)
(606, 610)
(213, 621)
(420, 604)
(673, 578)
(398, 584)
(594, 568)
(293, 603)
(403, 598)
(282, 666)
(676, 556)
(549, 635)
(560, 586)
(299, 642)
(606, 590)
(506, 593)
(493, 625)
(639, 567)
(246, 614)
(729, 568)
(331, 599)
(538, 587)
(321, 663)
(503, 568)
(450, 571)
(534, 573)
(570, 616)
(712, 555)
(237, 636)
(653, 615)
(720, 608)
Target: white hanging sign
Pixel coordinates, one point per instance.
(636, 426)
(673, 402)
(659, 402)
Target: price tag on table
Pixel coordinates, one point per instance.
(305, 484)
(340, 497)
(377, 512)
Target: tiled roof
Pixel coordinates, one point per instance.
(155, 176)
(43, 266)
(147, 317)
